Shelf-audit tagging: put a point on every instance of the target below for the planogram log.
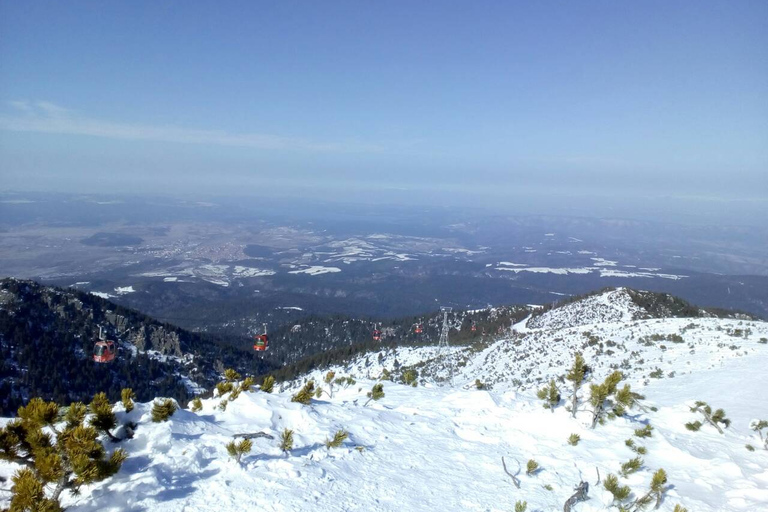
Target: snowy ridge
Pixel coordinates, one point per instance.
(612, 306)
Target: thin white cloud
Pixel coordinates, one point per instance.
(47, 117)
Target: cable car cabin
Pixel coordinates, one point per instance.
(104, 351)
(260, 342)
(418, 329)
(474, 327)
(376, 335)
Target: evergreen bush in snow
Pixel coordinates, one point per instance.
(286, 440)
(646, 431)
(608, 401)
(713, 418)
(268, 385)
(576, 376)
(758, 426)
(127, 396)
(480, 385)
(693, 426)
(304, 395)
(550, 394)
(409, 377)
(521, 506)
(620, 492)
(338, 438)
(163, 410)
(655, 493)
(574, 439)
(237, 450)
(532, 467)
(66, 456)
(103, 418)
(329, 380)
(376, 393)
(197, 404)
(631, 466)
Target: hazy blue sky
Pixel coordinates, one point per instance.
(487, 99)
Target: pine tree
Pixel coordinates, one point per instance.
(103, 418)
(376, 393)
(619, 492)
(338, 438)
(532, 467)
(608, 401)
(197, 404)
(576, 376)
(409, 377)
(237, 450)
(127, 396)
(304, 395)
(758, 426)
(656, 491)
(230, 375)
(574, 439)
(713, 418)
(521, 506)
(286, 440)
(646, 431)
(631, 466)
(329, 381)
(67, 457)
(268, 384)
(163, 410)
(550, 394)
(247, 384)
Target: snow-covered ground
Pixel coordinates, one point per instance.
(434, 447)
(440, 448)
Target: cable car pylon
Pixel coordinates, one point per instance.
(442, 345)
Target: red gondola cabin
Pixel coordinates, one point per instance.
(418, 329)
(261, 341)
(104, 351)
(376, 335)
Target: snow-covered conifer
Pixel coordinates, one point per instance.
(550, 394)
(237, 450)
(163, 410)
(576, 376)
(338, 438)
(758, 426)
(713, 418)
(268, 385)
(286, 440)
(67, 459)
(127, 396)
(103, 418)
(304, 395)
(376, 393)
(619, 492)
(631, 466)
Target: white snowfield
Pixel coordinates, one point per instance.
(439, 448)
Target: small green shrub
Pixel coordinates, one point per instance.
(237, 450)
(574, 439)
(197, 404)
(286, 440)
(128, 396)
(619, 492)
(646, 431)
(521, 506)
(338, 438)
(163, 410)
(268, 385)
(532, 467)
(305, 394)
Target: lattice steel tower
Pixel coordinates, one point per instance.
(443, 343)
